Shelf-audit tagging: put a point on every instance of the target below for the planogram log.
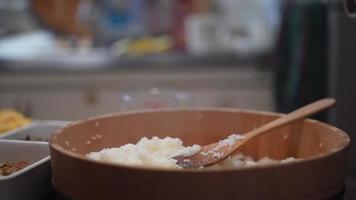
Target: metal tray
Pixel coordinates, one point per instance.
(34, 181)
(39, 129)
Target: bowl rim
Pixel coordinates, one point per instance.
(74, 155)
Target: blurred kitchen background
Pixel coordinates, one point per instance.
(72, 59)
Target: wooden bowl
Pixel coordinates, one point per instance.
(319, 176)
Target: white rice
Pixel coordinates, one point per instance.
(153, 152)
(157, 152)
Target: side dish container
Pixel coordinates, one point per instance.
(37, 130)
(29, 144)
(34, 181)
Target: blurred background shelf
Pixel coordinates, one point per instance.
(102, 61)
(55, 95)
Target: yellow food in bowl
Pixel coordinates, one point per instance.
(11, 119)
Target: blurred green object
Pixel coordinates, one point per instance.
(301, 56)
